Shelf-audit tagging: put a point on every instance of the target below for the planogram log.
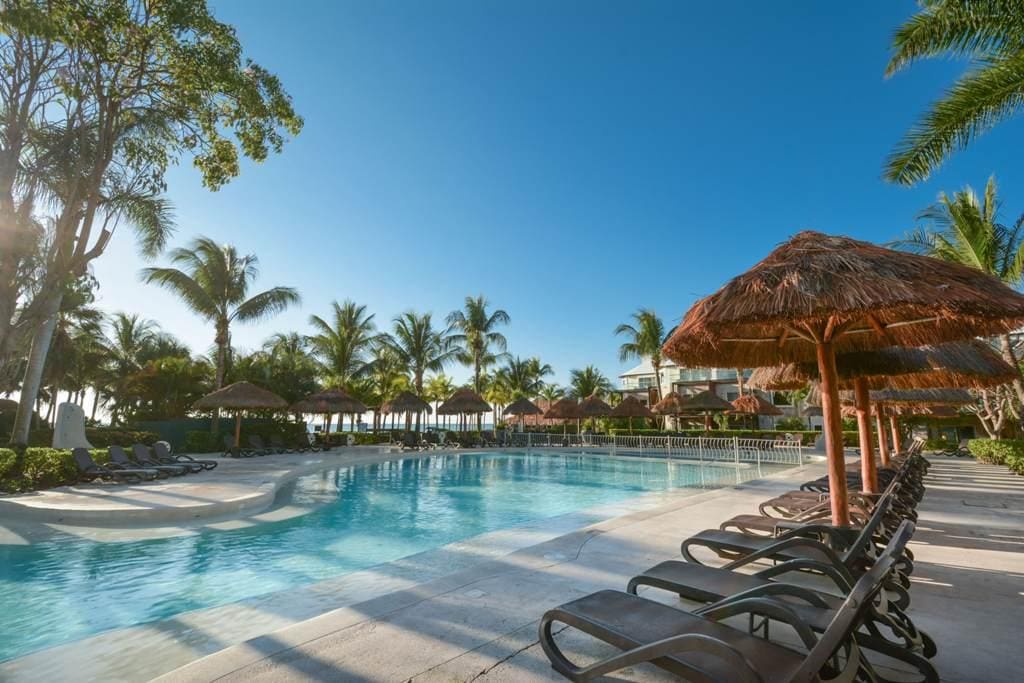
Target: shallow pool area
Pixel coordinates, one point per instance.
(67, 588)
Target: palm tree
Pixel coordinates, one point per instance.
(476, 336)
(419, 347)
(523, 378)
(385, 376)
(128, 339)
(215, 284)
(646, 337)
(551, 393)
(342, 345)
(589, 382)
(965, 229)
(438, 389)
(991, 34)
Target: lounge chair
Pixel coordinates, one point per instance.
(119, 458)
(142, 455)
(89, 470)
(233, 450)
(411, 442)
(278, 443)
(163, 455)
(698, 647)
(959, 450)
(257, 446)
(431, 440)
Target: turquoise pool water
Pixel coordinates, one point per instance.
(68, 588)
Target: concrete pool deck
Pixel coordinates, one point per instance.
(480, 624)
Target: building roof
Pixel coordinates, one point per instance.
(645, 368)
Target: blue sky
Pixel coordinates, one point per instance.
(572, 161)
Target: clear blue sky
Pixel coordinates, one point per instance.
(570, 160)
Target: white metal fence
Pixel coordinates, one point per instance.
(700, 448)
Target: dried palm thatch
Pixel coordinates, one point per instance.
(856, 295)
(631, 407)
(406, 402)
(522, 406)
(593, 406)
(329, 401)
(564, 409)
(241, 396)
(973, 364)
(464, 402)
(923, 397)
(674, 403)
(818, 295)
(706, 402)
(751, 404)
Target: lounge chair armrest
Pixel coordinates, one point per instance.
(766, 591)
(840, 575)
(764, 607)
(842, 535)
(784, 544)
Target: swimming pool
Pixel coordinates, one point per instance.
(68, 588)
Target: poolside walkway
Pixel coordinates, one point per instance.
(480, 624)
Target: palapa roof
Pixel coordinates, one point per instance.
(462, 402)
(406, 402)
(752, 404)
(593, 406)
(522, 406)
(329, 401)
(706, 402)
(971, 363)
(860, 295)
(241, 396)
(564, 409)
(631, 407)
(673, 403)
(903, 397)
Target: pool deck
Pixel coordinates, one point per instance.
(480, 624)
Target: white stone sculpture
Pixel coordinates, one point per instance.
(70, 429)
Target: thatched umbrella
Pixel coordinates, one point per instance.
(328, 402)
(464, 401)
(631, 407)
(238, 397)
(969, 363)
(564, 409)
(817, 295)
(592, 406)
(673, 404)
(705, 403)
(406, 402)
(521, 408)
(752, 404)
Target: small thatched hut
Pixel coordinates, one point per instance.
(239, 397)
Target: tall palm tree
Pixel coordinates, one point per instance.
(523, 378)
(385, 376)
(965, 229)
(344, 344)
(988, 32)
(551, 393)
(589, 382)
(646, 335)
(128, 339)
(438, 389)
(476, 336)
(420, 347)
(215, 284)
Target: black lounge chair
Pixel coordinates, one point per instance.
(89, 470)
(233, 450)
(142, 454)
(257, 446)
(411, 442)
(119, 457)
(698, 647)
(163, 455)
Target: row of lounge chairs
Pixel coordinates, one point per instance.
(256, 446)
(144, 463)
(843, 591)
(412, 441)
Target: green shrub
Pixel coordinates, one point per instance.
(203, 441)
(99, 437)
(1009, 452)
(40, 468)
(790, 424)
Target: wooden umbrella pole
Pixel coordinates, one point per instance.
(238, 429)
(868, 473)
(883, 443)
(894, 425)
(833, 433)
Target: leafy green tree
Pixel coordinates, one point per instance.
(438, 389)
(988, 32)
(646, 335)
(343, 345)
(214, 282)
(589, 382)
(475, 335)
(551, 393)
(523, 378)
(965, 229)
(384, 376)
(420, 347)
(167, 386)
(100, 98)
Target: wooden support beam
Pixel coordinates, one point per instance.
(833, 427)
(883, 443)
(868, 472)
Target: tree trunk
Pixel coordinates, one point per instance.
(1010, 357)
(656, 364)
(223, 342)
(34, 368)
(95, 402)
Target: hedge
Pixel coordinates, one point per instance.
(41, 468)
(1009, 452)
(99, 437)
(204, 441)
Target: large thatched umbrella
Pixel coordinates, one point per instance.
(592, 406)
(969, 363)
(817, 295)
(673, 404)
(238, 397)
(752, 404)
(705, 403)
(405, 402)
(464, 401)
(631, 407)
(328, 402)
(521, 408)
(564, 409)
